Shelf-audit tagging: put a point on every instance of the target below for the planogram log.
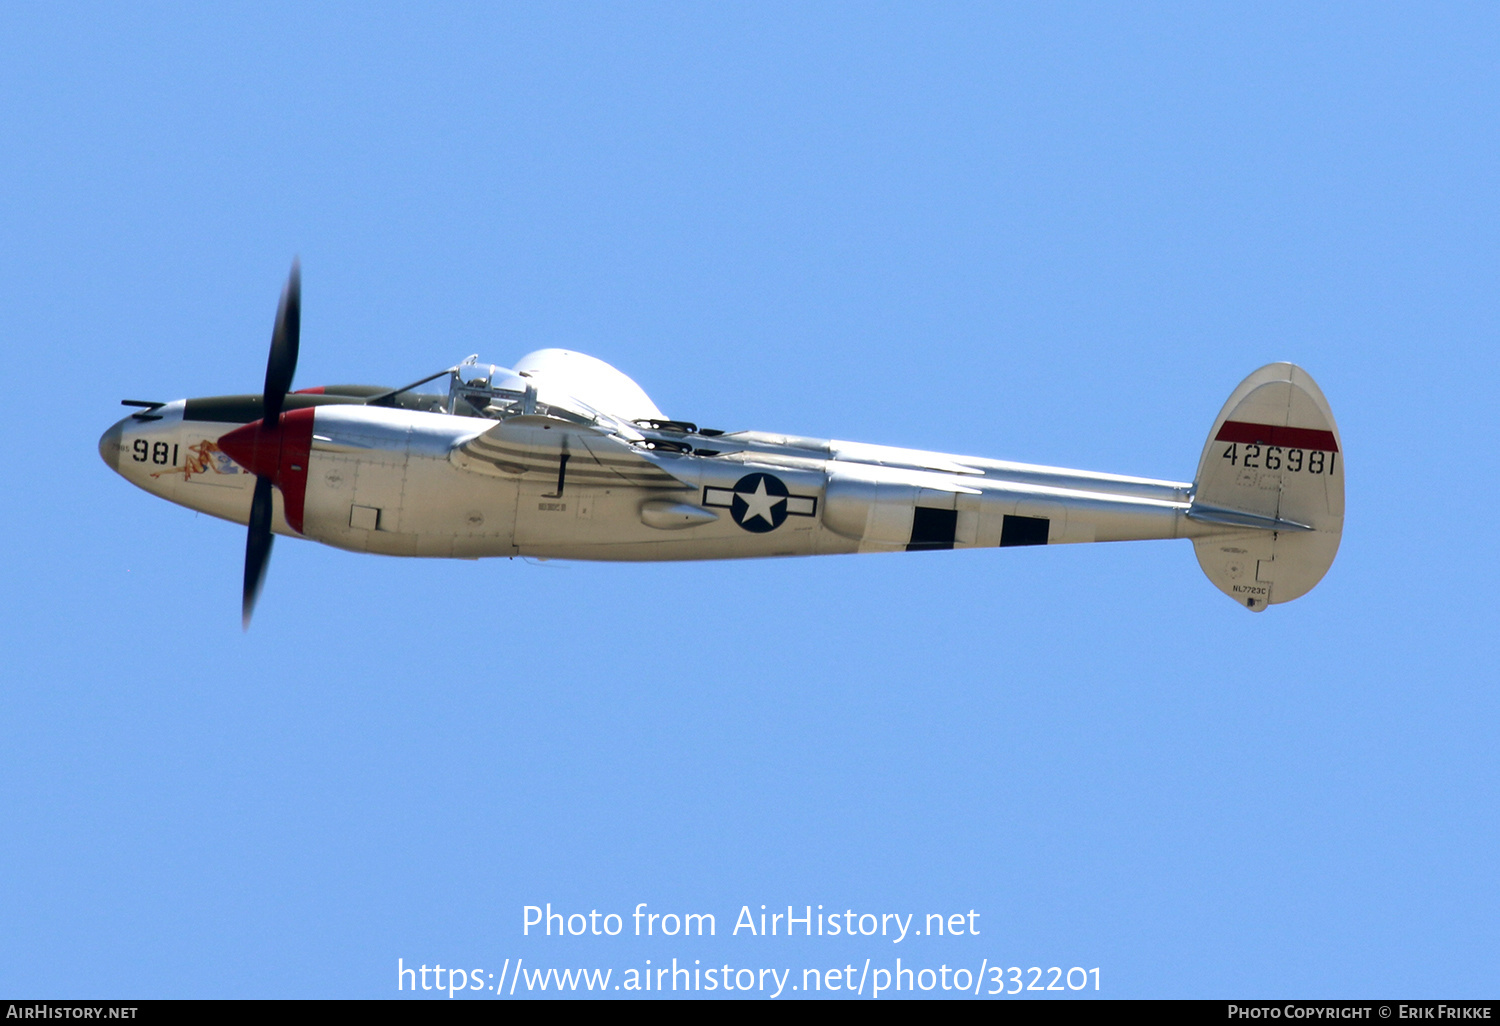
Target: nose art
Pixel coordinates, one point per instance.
(109, 446)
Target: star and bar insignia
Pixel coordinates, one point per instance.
(760, 502)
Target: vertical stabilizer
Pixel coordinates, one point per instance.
(1270, 489)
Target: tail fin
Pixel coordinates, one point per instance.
(1268, 498)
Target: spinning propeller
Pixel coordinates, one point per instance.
(276, 447)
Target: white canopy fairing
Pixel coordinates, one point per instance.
(591, 380)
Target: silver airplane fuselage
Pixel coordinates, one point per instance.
(511, 471)
(400, 482)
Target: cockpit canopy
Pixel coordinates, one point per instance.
(476, 389)
(548, 382)
(485, 390)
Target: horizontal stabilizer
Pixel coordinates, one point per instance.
(1232, 518)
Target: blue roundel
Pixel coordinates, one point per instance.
(759, 502)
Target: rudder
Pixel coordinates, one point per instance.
(1269, 493)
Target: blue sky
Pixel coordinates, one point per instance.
(1051, 233)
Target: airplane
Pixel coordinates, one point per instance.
(563, 456)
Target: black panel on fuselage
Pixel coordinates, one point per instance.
(242, 409)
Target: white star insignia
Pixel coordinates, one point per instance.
(759, 503)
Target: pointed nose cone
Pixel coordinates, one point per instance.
(109, 446)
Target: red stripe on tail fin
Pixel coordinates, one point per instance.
(1270, 434)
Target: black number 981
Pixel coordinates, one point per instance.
(159, 453)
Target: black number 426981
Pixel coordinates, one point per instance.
(1276, 457)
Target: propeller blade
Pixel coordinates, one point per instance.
(257, 546)
(282, 363)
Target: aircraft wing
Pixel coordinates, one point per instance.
(540, 445)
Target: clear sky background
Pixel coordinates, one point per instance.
(1053, 233)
